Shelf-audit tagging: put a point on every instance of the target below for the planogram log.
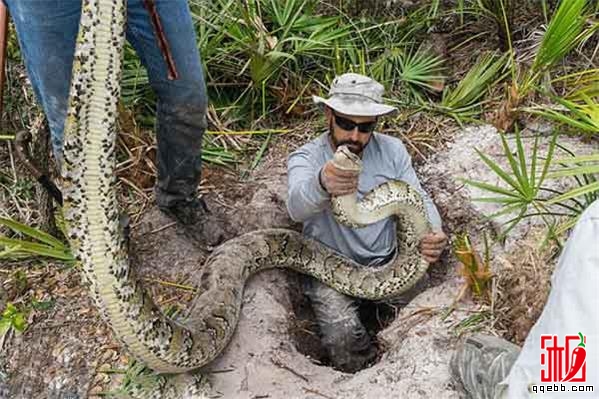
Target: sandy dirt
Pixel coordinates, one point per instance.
(66, 350)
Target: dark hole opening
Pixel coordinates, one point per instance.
(305, 331)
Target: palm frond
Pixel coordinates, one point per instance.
(564, 32)
(582, 116)
(470, 90)
(421, 69)
(42, 244)
(520, 182)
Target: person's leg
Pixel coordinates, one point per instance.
(181, 105)
(181, 111)
(347, 342)
(46, 31)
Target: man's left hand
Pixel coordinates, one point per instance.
(432, 245)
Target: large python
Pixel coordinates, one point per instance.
(175, 348)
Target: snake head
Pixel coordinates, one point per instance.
(347, 160)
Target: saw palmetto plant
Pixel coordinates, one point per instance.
(567, 28)
(523, 192)
(570, 25)
(413, 70)
(266, 42)
(579, 107)
(521, 181)
(584, 171)
(464, 101)
(581, 115)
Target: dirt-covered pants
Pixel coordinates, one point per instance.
(344, 337)
(47, 30)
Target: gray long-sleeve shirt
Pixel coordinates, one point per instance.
(384, 158)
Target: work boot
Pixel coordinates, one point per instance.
(199, 224)
(480, 363)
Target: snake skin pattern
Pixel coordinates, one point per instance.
(174, 348)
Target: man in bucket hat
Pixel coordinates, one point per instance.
(352, 111)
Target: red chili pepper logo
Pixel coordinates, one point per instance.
(579, 355)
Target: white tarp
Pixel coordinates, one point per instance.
(572, 307)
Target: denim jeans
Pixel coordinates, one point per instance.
(47, 31)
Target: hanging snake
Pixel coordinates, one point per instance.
(175, 348)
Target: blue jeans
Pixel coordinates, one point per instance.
(47, 30)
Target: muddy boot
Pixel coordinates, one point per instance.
(480, 363)
(198, 222)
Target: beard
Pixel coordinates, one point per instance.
(354, 146)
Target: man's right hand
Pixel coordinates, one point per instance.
(338, 181)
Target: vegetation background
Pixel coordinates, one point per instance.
(445, 63)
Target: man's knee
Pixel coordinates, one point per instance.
(344, 337)
(183, 112)
(189, 94)
(328, 304)
(349, 345)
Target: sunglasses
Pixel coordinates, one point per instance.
(349, 125)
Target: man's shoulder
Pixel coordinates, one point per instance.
(389, 145)
(387, 141)
(312, 147)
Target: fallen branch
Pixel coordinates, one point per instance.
(169, 284)
(315, 392)
(282, 365)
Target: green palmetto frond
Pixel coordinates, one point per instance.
(582, 115)
(259, 52)
(465, 99)
(43, 244)
(584, 170)
(415, 71)
(476, 82)
(520, 178)
(524, 185)
(565, 31)
(385, 68)
(272, 33)
(421, 68)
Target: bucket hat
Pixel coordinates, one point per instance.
(357, 95)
